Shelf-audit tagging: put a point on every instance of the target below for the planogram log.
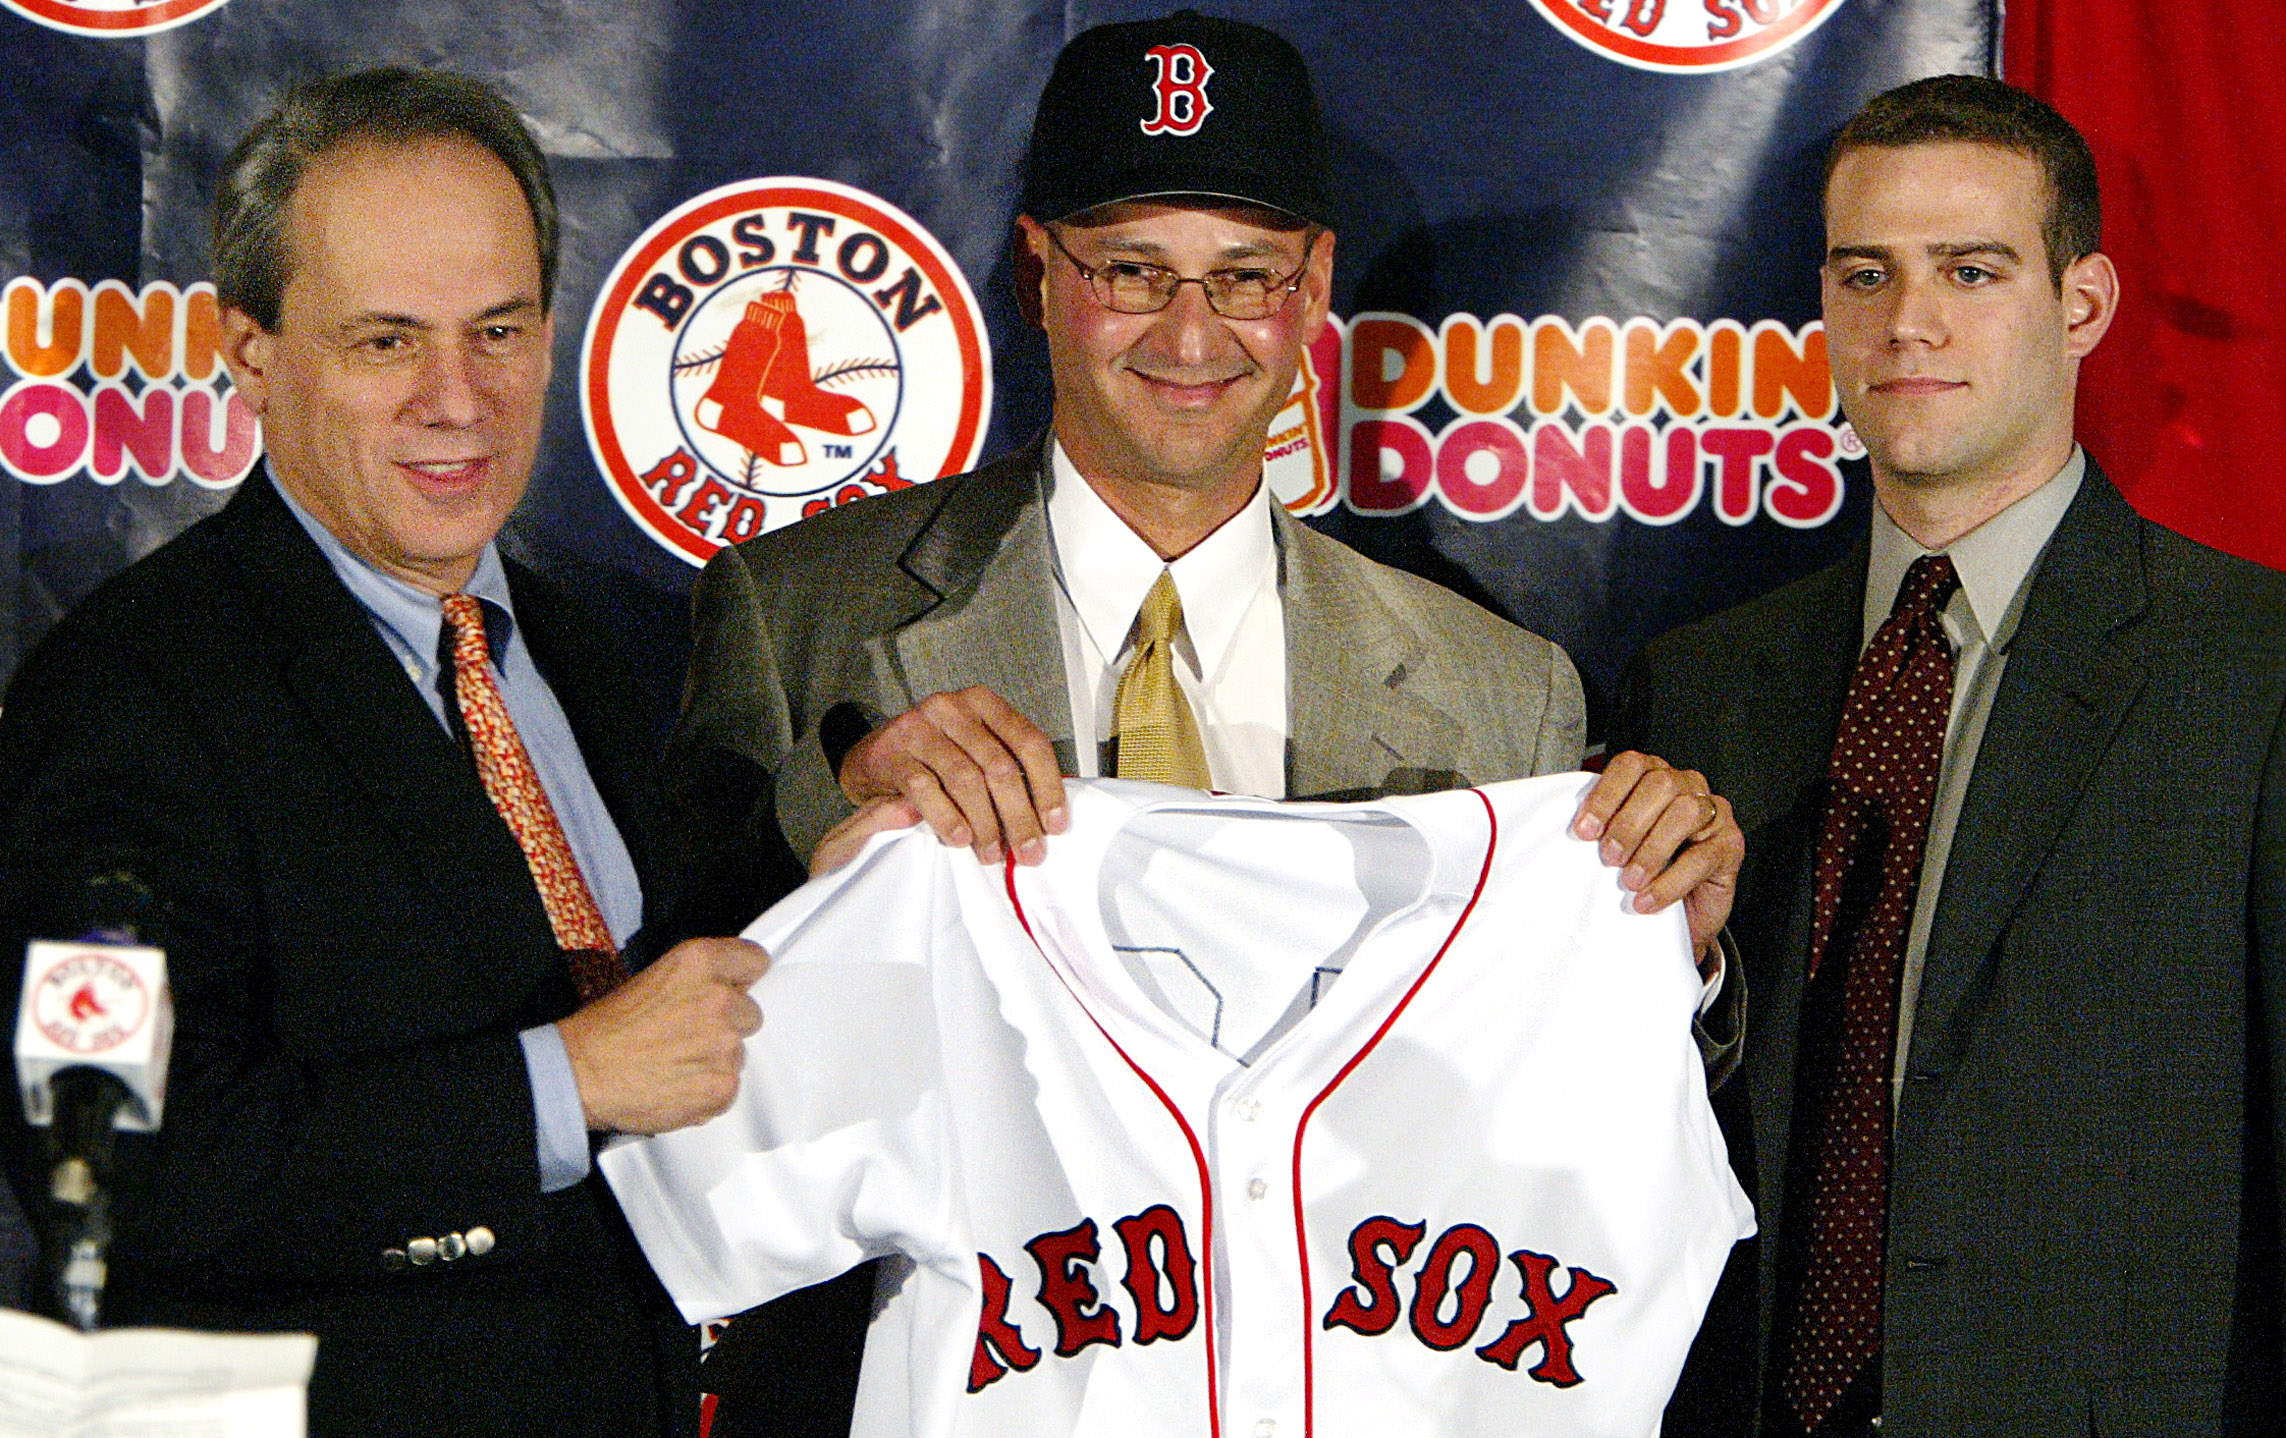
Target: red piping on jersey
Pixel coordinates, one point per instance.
(1198, 1156)
(1301, 1232)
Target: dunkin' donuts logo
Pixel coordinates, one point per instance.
(776, 347)
(1687, 35)
(105, 381)
(1610, 418)
(90, 1003)
(118, 19)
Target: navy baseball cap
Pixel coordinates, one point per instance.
(1187, 105)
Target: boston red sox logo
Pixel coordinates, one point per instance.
(1181, 88)
(89, 1002)
(774, 348)
(1687, 36)
(112, 19)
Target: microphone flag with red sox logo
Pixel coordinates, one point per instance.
(1232, 1117)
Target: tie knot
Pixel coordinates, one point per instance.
(1161, 617)
(465, 613)
(1928, 585)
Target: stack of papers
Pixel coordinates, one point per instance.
(56, 1382)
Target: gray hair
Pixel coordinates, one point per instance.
(389, 105)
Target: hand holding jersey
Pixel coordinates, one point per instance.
(1345, 1118)
(663, 1049)
(985, 778)
(980, 772)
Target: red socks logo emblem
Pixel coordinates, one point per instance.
(764, 385)
(1181, 88)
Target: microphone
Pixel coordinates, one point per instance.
(93, 1031)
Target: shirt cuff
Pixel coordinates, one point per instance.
(1712, 989)
(559, 1122)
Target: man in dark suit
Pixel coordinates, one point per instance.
(2013, 776)
(391, 802)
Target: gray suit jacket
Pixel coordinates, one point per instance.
(2085, 1218)
(1394, 685)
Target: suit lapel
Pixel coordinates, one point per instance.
(1775, 745)
(2062, 697)
(986, 561)
(1781, 735)
(1350, 719)
(615, 744)
(421, 787)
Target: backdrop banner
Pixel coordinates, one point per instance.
(1576, 371)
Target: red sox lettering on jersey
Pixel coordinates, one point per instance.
(1161, 1280)
(1339, 1119)
(1181, 88)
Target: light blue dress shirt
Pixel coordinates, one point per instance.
(409, 621)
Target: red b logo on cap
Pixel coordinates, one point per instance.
(1181, 87)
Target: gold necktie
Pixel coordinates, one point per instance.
(1157, 733)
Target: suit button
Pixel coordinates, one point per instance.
(451, 1246)
(392, 1259)
(421, 1252)
(479, 1241)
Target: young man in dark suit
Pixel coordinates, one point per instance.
(2013, 776)
(391, 801)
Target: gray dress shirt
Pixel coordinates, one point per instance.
(1995, 562)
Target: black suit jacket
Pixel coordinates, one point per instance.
(2084, 1210)
(353, 941)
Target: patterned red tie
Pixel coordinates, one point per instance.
(1883, 786)
(514, 787)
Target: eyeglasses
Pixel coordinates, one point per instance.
(1130, 287)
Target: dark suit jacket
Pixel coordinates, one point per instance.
(353, 941)
(2084, 1209)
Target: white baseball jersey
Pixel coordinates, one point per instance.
(1231, 1118)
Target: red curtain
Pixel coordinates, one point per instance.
(2185, 104)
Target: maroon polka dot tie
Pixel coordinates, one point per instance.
(1882, 787)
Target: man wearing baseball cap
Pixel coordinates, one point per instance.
(1124, 597)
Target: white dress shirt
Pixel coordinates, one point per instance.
(1995, 562)
(1231, 657)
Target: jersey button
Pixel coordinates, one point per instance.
(1249, 1109)
(1256, 1188)
(1266, 1428)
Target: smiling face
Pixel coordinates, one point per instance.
(1955, 354)
(1184, 397)
(400, 395)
